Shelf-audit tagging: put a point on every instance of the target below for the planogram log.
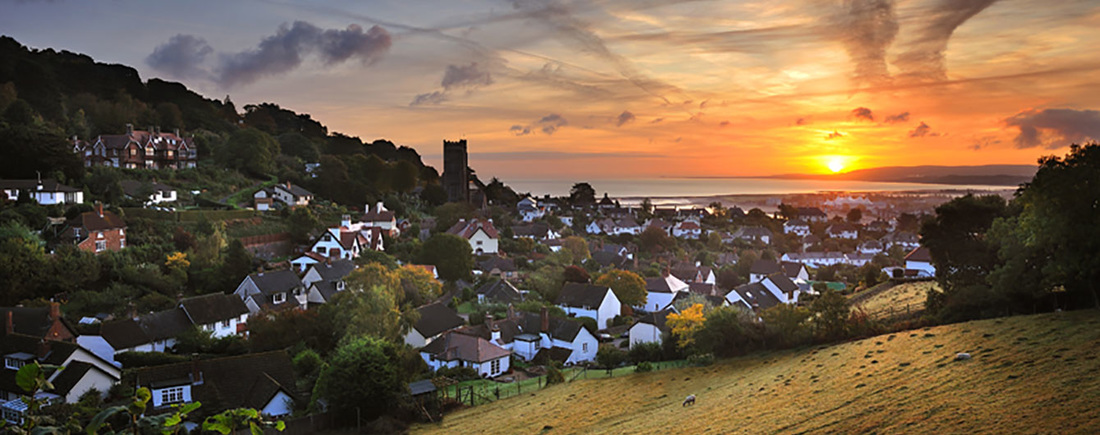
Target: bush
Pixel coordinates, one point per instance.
(645, 352)
(554, 376)
(458, 373)
(620, 320)
(701, 360)
(643, 367)
(589, 323)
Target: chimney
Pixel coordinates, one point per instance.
(129, 128)
(9, 324)
(55, 311)
(545, 318)
(99, 208)
(345, 221)
(511, 312)
(151, 129)
(494, 333)
(287, 185)
(380, 207)
(177, 132)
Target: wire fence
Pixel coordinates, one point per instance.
(483, 391)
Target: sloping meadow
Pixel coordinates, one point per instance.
(1027, 374)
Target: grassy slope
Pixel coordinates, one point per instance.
(1029, 374)
(899, 296)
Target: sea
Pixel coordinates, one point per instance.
(679, 190)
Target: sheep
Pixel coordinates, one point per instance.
(689, 400)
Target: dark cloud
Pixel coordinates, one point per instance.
(181, 57)
(656, 121)
(623, 118)
(923, 58)
(863, 113)
(723, 123)
(867, 29)
(284, 51)
(901, 117)
(835, 134)
(465, 76)
(802, 121)
(430, 98)
(923, 130)
(1055, 128)
(985, 142)
(548, 124)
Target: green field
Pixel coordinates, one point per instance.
(1028, 374)
(897, 299)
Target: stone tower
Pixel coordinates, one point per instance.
(456, 174)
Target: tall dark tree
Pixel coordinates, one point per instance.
(582, 195)
(251, 151)
(956, 239)
(450, 254)
(855, 215)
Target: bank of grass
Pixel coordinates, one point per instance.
(1028, 374)
(908, 296)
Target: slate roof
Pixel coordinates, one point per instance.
(335, 271)
(545, 355)
(840, 227)
(279, 281)
(500, 263)
(92, 221)
(559, 328)
(785, 284)
(796, 223)
(436, 318)
(764, 267)
(657, 319)
(294, 189)
(919, 254)
(249, 380)
(811, 212)
(536, 230)
(161, 325)
(702, 288)
(454, 346)
(605, 259)
(55, 354)
(215, 307)
(500, 291)
(757, 296)
(752, 232)
(666, 284)
(378, 216)
(685, 271)
(582, 295)
(48, 185)
(791, 268)
(68, 378)
(35, 322)
(467, 229)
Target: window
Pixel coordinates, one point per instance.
(14, 363)
(479, 242)
(584, 347)
(121, 243)
(100, 245)
(171, 395)
(278, 298)
(133, 152)
(169, 153)
(223, 324)
(148, 151)
(12, 416)
(494, 367)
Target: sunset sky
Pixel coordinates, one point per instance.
(629, 88)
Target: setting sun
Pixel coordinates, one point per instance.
(835, 164)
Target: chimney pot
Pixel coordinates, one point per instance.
(545, 318)
(99, 208)
(9, 324)
(55, 311)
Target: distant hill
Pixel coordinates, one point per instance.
(994, 175)
(1028, 374)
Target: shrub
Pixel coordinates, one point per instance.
(554, 376)
(643, 367)
(701, 360)
(645, 352)
(458, 373)
(620, 320)
(589, 323)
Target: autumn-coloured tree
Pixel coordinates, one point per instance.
(684, 325)
(628, 286)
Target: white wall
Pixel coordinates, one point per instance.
(99, 346)
(584, 347)
(655, 301)
(92, 379)
(921, 265)
(415, 340)
(609, 308)
(281, 404)
(481, 240)
(644, 333)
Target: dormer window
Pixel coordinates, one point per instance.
(148, 151)
(17, 360)
(278, 298)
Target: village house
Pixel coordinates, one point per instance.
(870, 247)
(498, 267)
(529, 210)
(539, 337)
(812, 214)
(796, 226)
(650, 328)
(754, 295)
(761, 268)
(263, 199)
(98, 231)
(378, 217)
(454, 349)
(43, 192)
(41, 322)
(842, 230)
(149, 193)
(906, 240)
(481, 234)
(79, 371)
(587, 300)
(324, 280)
(753, 234)
(810, 241)
(661, 291)
(151, 332)
(219, 314)
(693, 272)
(687, 230)
(291, 195)
(138, 149)
(920, 259)
(261, 381)
(796, 272)
(271, 291)
(536, 231)
(785, 290)
(499, 292)
(435, 319)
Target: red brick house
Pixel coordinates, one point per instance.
(97, 231)
(151, 149)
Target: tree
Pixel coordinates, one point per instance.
(418, 286)
(908, 222)
(786, 324)
(655, 240)
(576, 246)
(646, 210)
(576, 274)
(582, 195)
(788, 211)
(297, 145)
(830, 315)
(855, 215)
(364, 374)
(609, 357)
(251, 151)
(450, 254)
(24, 268)
(628, 286)
(685, 325)
(956, 239)
(301, 223)
(729, 331)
